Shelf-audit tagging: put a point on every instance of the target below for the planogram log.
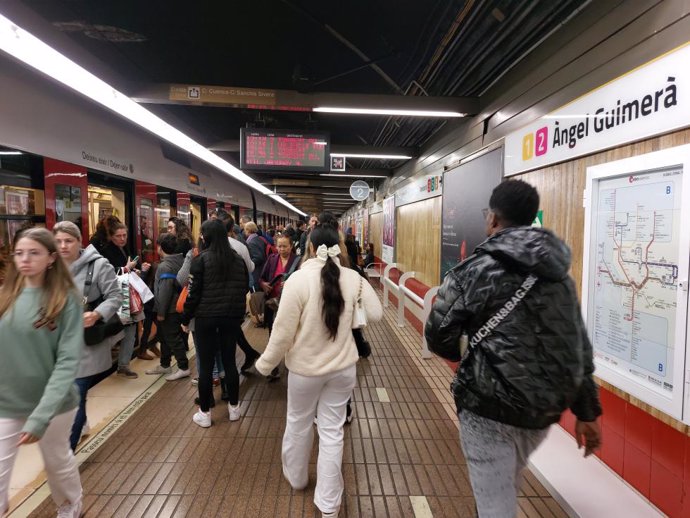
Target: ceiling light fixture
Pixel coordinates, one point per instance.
(11, 153)
(372, 155)
(355, 175)
(25, 47)
(386, 111)
(336, 193)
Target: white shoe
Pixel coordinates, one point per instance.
(159, 369)
(70, 510)
(86, 429)
(203, 419)
(334, 514)
(234, 412)
(178, 375)
(195, 381)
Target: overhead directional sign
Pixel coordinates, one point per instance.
(359, 190)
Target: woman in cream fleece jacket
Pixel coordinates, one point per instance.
(313, 332)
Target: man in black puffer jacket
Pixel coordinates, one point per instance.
(528, 356)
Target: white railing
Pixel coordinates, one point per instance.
(425, 303)
(388, 284)
(373, 270)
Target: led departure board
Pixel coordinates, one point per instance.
(284, 150)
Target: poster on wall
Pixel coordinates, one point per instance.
(466, 193)
(388, 230)
(636, 257)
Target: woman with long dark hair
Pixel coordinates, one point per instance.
(313, 331)
(218, 281)
(178, 228)
(41, 313)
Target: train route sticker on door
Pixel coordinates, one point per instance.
(635, 277)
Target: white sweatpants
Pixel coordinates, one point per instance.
(326, 398)
(60, 464)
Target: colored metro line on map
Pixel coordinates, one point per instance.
(636, 273)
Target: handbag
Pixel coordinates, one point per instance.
(101, 329)
(359, 316)
(136, 305)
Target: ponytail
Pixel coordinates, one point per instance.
(333, 302)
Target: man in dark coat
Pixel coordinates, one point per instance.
(510, 315)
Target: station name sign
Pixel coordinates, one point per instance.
(651, 100)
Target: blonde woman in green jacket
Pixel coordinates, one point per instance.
(40, 310)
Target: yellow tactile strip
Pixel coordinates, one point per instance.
(160, 464)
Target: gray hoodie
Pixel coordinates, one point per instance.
(97, 358)
(166, 291)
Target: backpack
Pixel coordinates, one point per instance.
(270, 249)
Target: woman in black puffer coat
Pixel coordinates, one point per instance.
(218, 281)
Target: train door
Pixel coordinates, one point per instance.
(107, 195)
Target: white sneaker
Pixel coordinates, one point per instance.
(70, 510)
(334, 514)
(159, 369)
(234, 412)
(203, 419)
(195, 381)
(178, 375)
(86, 429)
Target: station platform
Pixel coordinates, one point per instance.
(402, 454)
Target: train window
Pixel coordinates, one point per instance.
(20, 207)
(195, 226)
(146, 218)
(163, 212)
(68, 204)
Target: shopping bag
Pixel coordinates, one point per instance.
(123, 311)
(141, 288)
(136, 305)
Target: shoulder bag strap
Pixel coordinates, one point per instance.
(88, 281)
(505, 310)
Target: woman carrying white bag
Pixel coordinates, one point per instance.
(118, 255)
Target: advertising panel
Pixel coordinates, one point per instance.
(389, 230)
(466, 193)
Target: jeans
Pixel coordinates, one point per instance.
(215, 334)
(60, 465)
(171, 342)
(127, 346)
(326, 397)
(83, 386)
(143, 342)
(496, 454)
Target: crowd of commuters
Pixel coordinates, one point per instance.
(72, 313)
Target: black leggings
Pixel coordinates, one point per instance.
(213, 334)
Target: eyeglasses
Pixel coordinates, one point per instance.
(31, 254)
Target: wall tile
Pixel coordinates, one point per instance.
(568, 422)
(613, 450)
(638, 428)
(614, 411)
(637, 469)
(666, 490)
(668, 447)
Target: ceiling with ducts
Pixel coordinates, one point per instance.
(427, 49)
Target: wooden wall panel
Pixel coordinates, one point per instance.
(561, 189)
(418, 239)
(376, 232)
